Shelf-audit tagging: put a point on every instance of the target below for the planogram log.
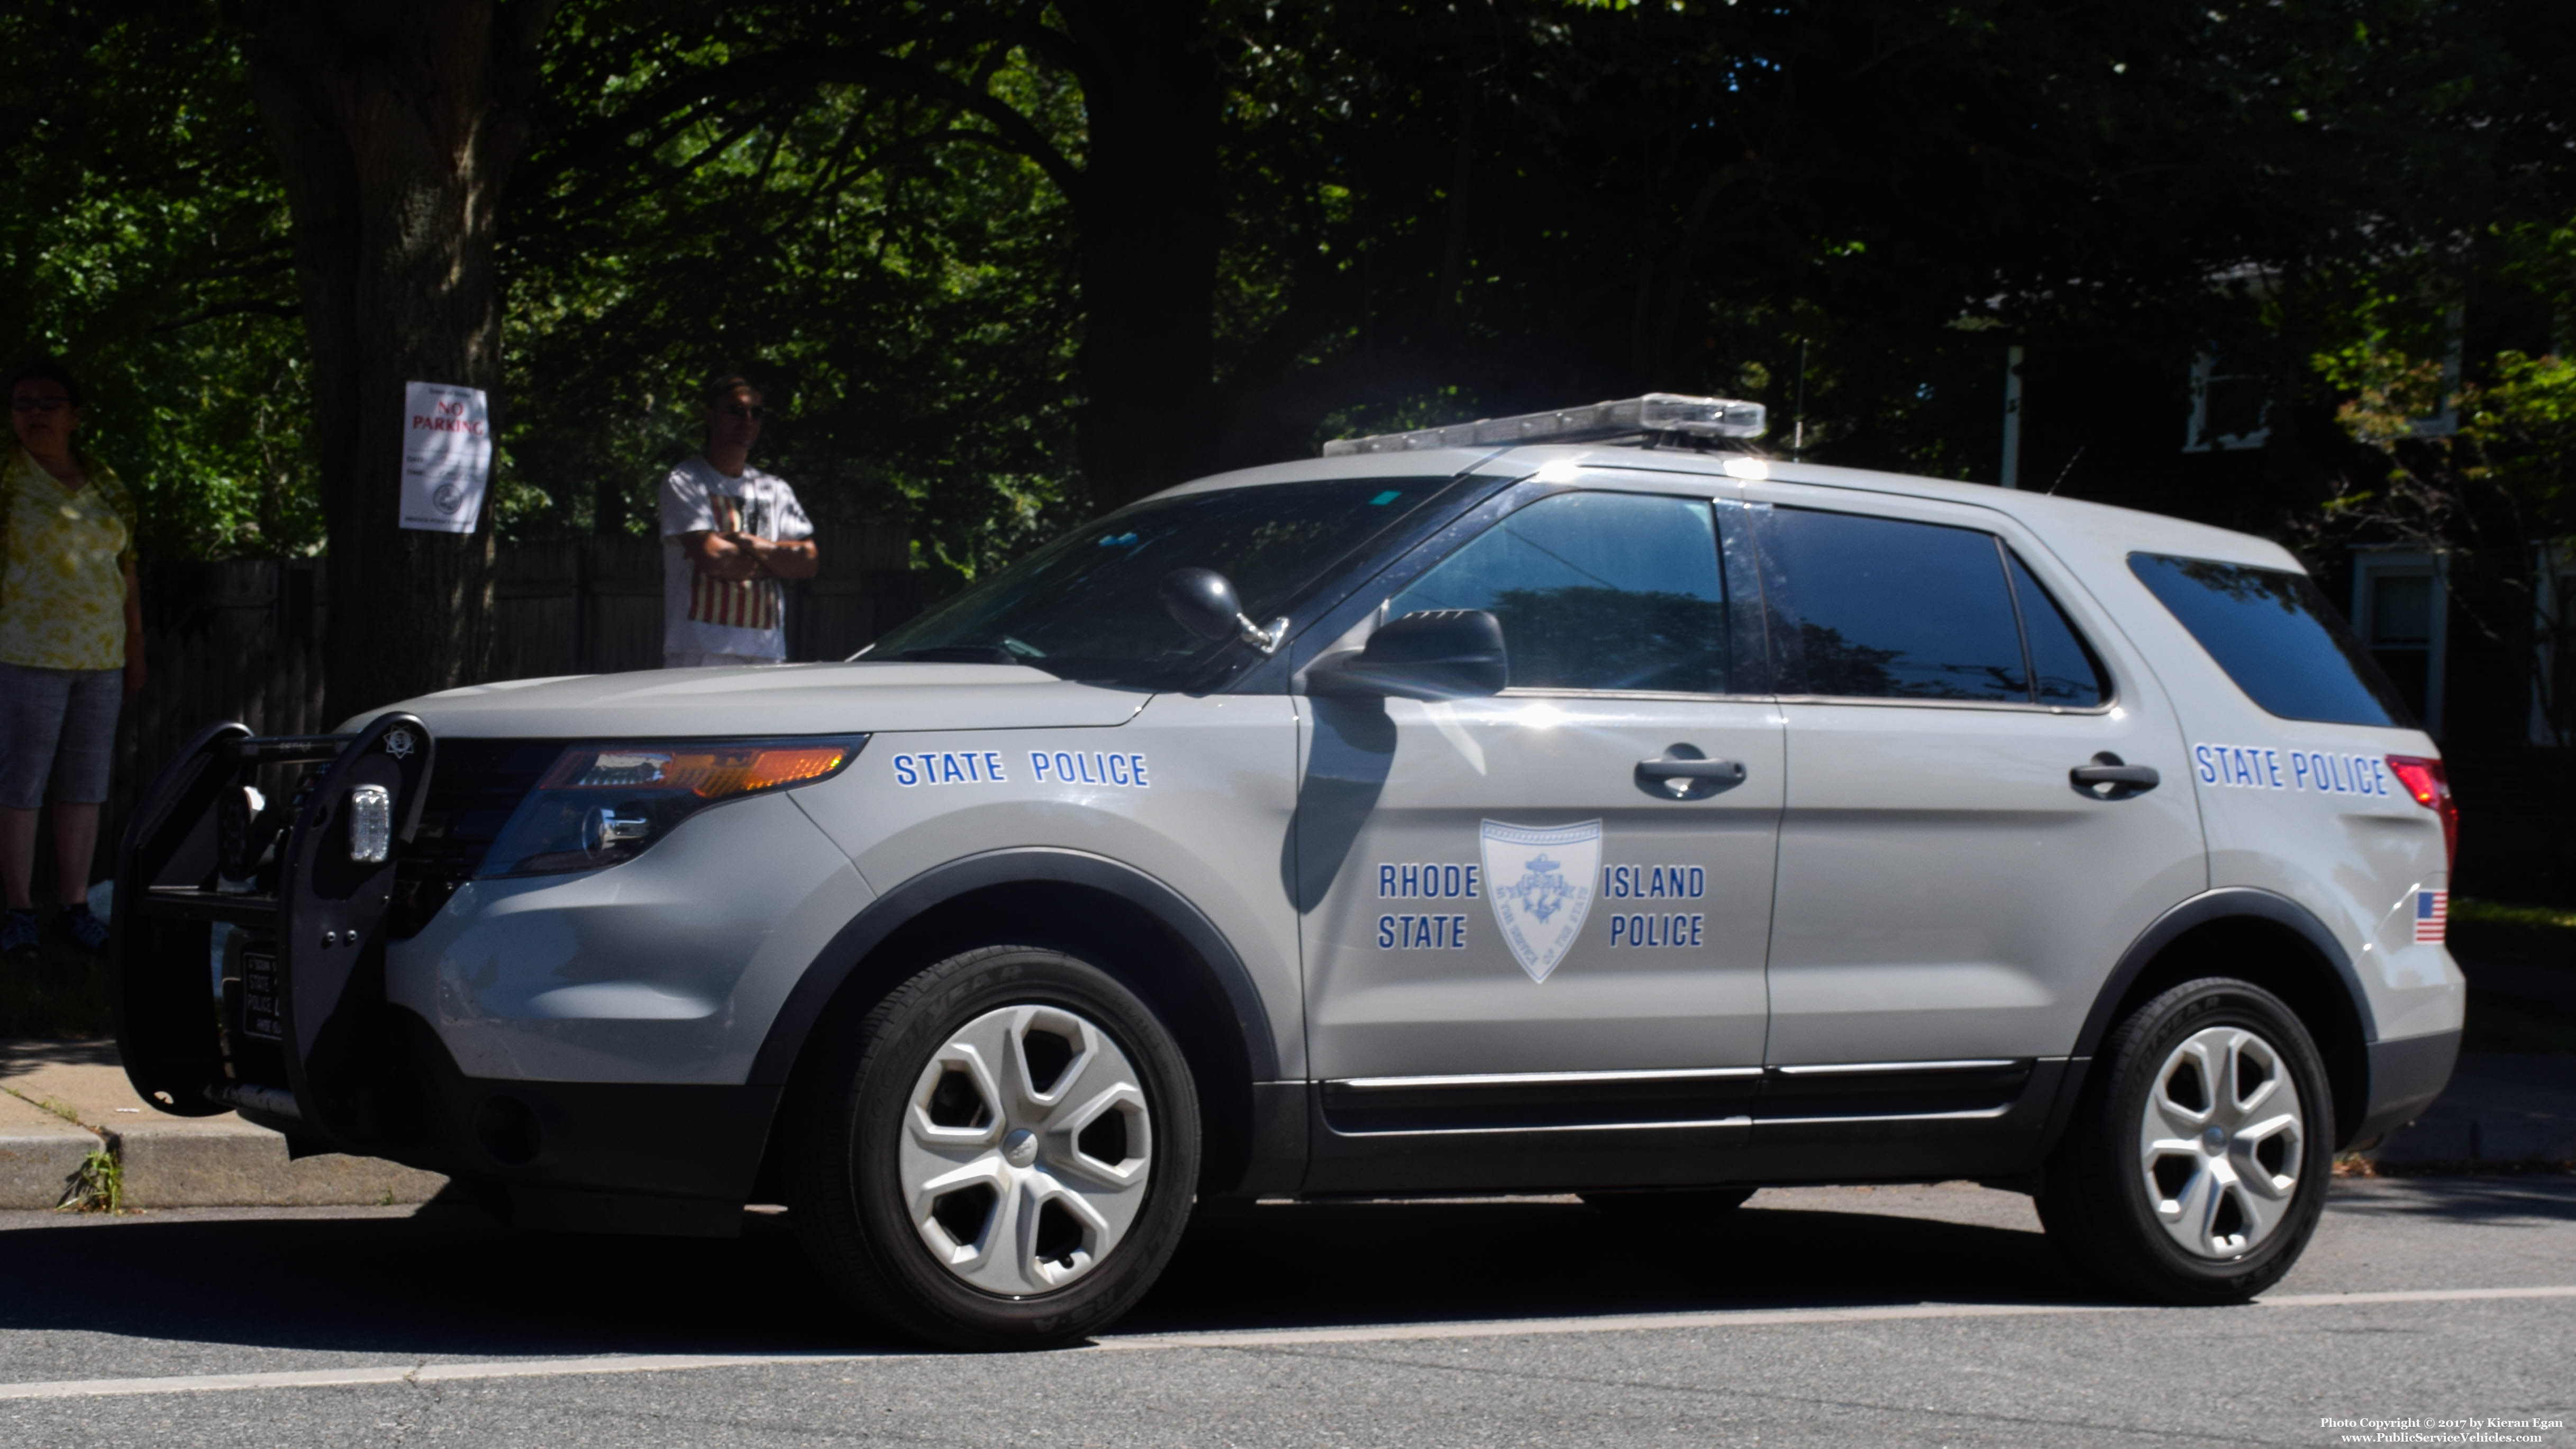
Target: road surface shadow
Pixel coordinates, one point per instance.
(448, 1281)
(2502, 1199)
(1322, 1264)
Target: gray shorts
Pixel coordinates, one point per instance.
(58, 726)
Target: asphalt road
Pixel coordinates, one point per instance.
(1817, 1316)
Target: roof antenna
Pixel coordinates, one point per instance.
(1798, 410)
(2069, 468)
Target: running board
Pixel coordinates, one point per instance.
(1946, 1090)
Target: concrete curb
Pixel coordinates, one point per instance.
(167, 1161)
(39, 1154)
(239, 1165)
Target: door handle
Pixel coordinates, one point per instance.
(1682, 775)
(2107, 778)
(1697, 769)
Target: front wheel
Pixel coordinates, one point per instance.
(2196, 1169)
(1004, 1152)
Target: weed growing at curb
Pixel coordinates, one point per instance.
(47, 1104)
(97, 1185)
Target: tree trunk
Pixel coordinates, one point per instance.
(1151, 216)
(395, 127)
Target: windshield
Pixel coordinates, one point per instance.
(1085, 606)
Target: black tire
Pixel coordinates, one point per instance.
(1689, 1204)
(2095, 1195)
(848, 1201)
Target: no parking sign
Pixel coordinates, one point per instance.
(447, 456)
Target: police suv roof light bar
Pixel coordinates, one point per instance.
(1653, 416)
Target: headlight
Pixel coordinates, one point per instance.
(601, 804)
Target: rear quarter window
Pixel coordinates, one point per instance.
(2275, 635)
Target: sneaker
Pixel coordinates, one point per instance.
(87, 931)
(18, 934)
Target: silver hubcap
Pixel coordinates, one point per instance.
(1025, 1151)
(2221, 1142)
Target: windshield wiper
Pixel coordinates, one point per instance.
(959, 654)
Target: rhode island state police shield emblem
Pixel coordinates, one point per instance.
(1539, 880)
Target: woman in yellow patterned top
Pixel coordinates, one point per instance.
(71, 648)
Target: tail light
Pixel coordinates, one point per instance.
(2431, 788)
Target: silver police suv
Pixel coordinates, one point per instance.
(1580, 802)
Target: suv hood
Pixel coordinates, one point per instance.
(794, 699)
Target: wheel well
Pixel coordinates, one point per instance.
(1111, 932)
(2282, 961)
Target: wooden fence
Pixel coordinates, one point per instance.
(595, 606)
(243, 640)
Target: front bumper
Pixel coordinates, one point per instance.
(456, 1033)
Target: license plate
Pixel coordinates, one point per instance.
(259, 992)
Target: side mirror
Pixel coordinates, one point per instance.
(1434, 654)
(1203, 601)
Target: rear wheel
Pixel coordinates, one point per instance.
(2196, 1169)
(1003, 1153)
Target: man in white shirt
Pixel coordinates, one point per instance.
(730, 533)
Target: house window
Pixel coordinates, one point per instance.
(2231, 400)
(2398, 608)
(2444, 420)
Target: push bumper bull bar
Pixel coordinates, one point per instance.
(292, 905)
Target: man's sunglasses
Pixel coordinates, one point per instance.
(40, 404)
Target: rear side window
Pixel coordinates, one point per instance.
(1882, 608)
(2277, 637)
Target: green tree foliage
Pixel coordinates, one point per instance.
(894, 280)
(985, 296)
(1535, 201)
(2475, 464)
(142, 239)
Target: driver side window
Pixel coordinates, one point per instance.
(1598, 591)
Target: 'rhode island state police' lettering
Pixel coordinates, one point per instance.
(1090, 767)
(1431, 881)
(1650, 933)
(1653, 882)
(1422, 933)
(950, 767)
(2263, 767)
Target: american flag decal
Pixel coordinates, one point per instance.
(2432, 914)
(739, 603)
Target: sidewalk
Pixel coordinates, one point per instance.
(61, 1101)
